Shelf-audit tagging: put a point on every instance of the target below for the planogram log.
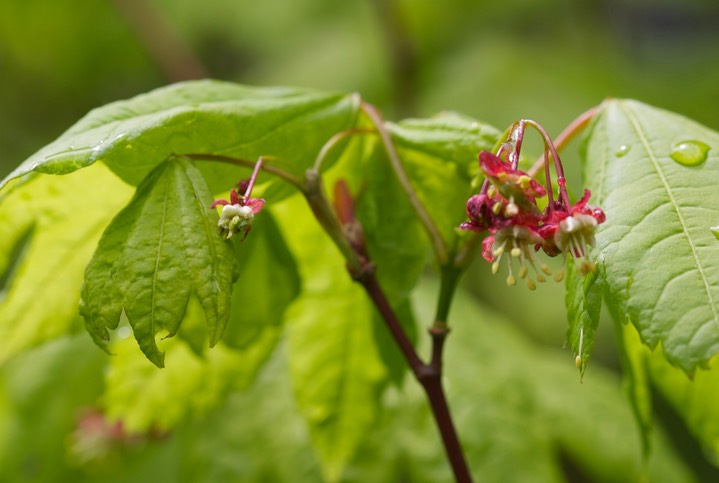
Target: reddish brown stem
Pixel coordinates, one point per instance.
(432, 385)
(428, 375)
(369, 282)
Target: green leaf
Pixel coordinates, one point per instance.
(394, 238)
(506, 413)
(46, 390)
(50, 230)
(190, 387)
(514, 401)
(268, 283)
(636, 379)
(652, 174)
(158, 250)
(694, 399)
(337, 372)
(135, 135)
(584, 304)
(440, 157)
(257, 436)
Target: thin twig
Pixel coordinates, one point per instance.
(428, 375)
(438, 243)
(393, 324)
(334, 140)
(443, 418)
(566, 136)
(220, 158)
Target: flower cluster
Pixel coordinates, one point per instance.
(506, 207)
(238, 213)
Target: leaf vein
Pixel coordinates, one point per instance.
(158, 257)
(675, 205)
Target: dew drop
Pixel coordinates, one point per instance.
(622, 150)
(715, 231)
(690, 153)
(124, 332)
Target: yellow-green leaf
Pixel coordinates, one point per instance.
(160, 249)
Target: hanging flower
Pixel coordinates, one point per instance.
(506, 207)
(513, 184)
(237, 214)
(572, 231)
(518, 243)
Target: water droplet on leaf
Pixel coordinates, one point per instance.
(690, 153)
(622, 150)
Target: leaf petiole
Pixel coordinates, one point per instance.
(220, 158)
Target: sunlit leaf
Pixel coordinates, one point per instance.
(395, 242)
(191, 385)
(268, 283)
(50, 227)
(513, 401)
(440, 156)
(584, 303)
(158, 250)
(336, 369)
(655, 175)
(135, 135)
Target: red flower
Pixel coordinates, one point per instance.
(572, 231)
(509, 201)
(514, 185)
(506, 207)
(238, 213)
(519, 241)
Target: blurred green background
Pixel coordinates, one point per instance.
(497, 61)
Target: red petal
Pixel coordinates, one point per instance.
(493, 165)
(579, 206)
(476, 206)
(472, 226)
(599, 215)
(234, 197)
(487, 248)
(219, 203)
(255, 203)
(242, 186)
